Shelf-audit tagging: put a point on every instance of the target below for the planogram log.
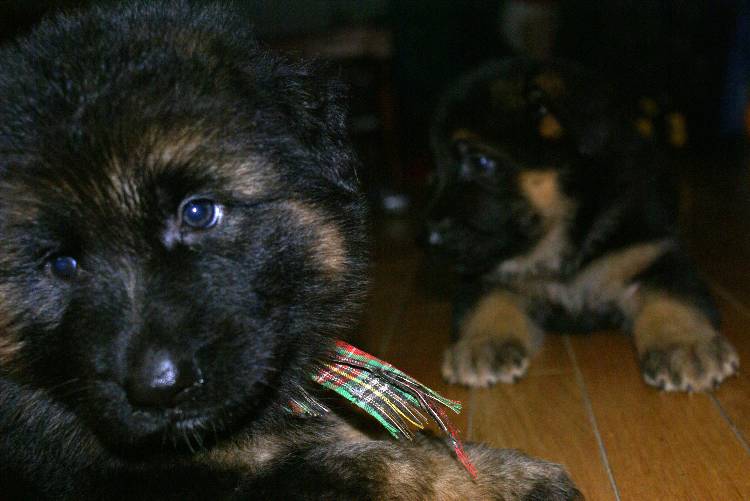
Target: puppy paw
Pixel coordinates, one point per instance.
(697, 366)
(510, 474)
(557, 488)
(481, 363)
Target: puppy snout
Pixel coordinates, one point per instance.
(159, 377)
(433, 236)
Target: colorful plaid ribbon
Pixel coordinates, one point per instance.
(395, 399)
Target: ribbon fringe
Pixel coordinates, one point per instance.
(395, 399)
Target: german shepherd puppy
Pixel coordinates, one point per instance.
(182, 236)
(557, 217)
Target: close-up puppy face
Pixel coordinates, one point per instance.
(171, 247)
(501, 169)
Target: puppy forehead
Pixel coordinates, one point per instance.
(128, 177)
(192, 160)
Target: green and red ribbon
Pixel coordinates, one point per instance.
(398, 401)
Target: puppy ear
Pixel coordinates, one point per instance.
(314, 102)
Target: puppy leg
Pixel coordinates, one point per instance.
(496, 337)
(679, 348)
(348, 465)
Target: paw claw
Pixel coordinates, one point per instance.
(699, 366)
(480, 365)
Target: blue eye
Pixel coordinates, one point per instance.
(485, 164)
(478, 165)
(64, 267)
(200, 214)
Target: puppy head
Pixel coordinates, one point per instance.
(506, 141)
(180, 221)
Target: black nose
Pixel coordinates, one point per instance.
(159, 377)
(433, 235)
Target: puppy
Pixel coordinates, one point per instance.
(557, 218)
(182, 238)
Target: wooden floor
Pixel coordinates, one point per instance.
(583, 403)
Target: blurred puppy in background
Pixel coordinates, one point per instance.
(557, 217)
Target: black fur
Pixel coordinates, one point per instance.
(161, 367)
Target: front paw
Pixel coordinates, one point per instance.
(509, 474)
(481, 362)
(697, 366)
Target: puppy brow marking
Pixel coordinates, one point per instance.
(9, 345)
(252, 177)
(328, 241)
(550, 128)
(464, 135)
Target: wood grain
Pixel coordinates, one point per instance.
(544, 415)
(659, 445)
(734, 395)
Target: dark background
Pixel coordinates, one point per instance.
(691, 56)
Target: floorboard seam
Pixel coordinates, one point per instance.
(737, 432)
(745, 311)
(470, 415)
(591, 416)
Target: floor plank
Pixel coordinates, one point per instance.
(733, 394)
(544, 415)
(659, 445)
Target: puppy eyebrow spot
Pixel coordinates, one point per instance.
(9, 347)
(327, 240)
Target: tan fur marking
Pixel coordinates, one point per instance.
(542, 189)
(327, 239)
(664, 321)
(249, 454)
(251, 178)
(645, 127)
(157, 151)
(605, 281)
(545, 258)
(498, 314)
(551, 83)
(174, 148)
(9, 347)
(550, 128)
(609, 278)
(678, 347)
(678, 131)
(495, 341)
(465, 135)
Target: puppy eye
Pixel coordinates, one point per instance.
(480, 165)
(64, 267)
(200, 214)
